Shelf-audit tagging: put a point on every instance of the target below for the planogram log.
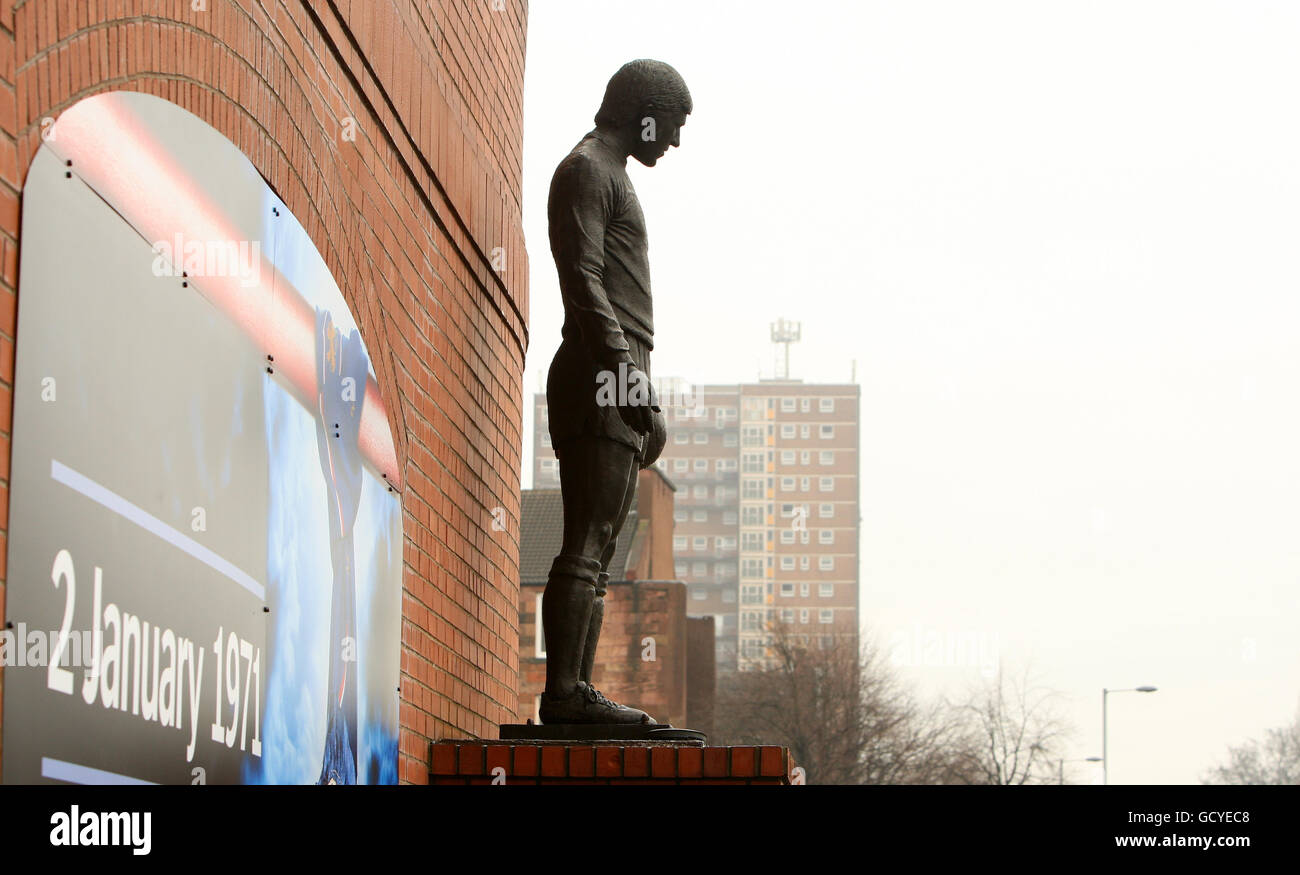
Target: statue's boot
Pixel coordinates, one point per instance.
(589, 705)
(568, 607)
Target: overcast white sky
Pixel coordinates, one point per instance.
(1060, 241)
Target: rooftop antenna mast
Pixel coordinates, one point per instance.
(785, 333)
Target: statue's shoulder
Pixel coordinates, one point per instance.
(587, 173)
(590, 158)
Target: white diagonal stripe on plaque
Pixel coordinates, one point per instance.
(101, 494)
(59, 770)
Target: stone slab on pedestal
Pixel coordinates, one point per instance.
(589, 732)
(460, 762)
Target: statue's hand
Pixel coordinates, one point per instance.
(639, 404)
(655, 441)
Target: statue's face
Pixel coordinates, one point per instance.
(667, 132)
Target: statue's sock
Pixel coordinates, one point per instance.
(593, 628)
(566, 616)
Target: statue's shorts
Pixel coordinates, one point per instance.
(573, 403)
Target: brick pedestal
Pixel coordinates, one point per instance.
(466, 762)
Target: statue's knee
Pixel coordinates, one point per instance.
(572, 565)
(590, 543)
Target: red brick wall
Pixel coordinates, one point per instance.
(524, 764)
(532, 668)
(419, 221)
(701, 673)
(642, 653)
(654, 503)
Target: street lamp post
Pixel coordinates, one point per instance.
(1105, 746)
(1060, 767)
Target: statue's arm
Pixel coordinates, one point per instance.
(581, 204)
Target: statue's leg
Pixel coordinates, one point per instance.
(602, 580)
(566, 611)
(593, 482)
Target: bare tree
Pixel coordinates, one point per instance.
(1015, 732)
(1275, 760)
(844, 716)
